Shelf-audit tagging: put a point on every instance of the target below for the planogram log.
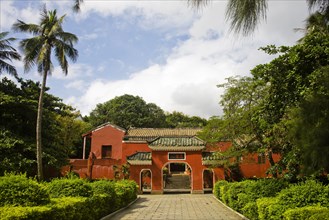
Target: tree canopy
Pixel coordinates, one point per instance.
(282, 108)
(18, 110)
(132, 111)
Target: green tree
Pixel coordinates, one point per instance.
(310, 125)
(62, 128)
(48, 37)
(128, 111)
(180, 120)
(7, 53)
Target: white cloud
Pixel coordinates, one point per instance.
(76, 84)
(10, 14)
(187, 81)
(148, 15)
(77, 70)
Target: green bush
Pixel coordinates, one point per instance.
(265, 188)
(262, 205)
(107, 189)
(304, 194)
(303, 212)
(250, 210)
(223, 192)
(22, 213)
(108, 196)
(69, 188)
(324, 215)
(217, 186)
(18, 190)
(126, 192)
(103, 187)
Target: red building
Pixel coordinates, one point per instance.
(160, 159)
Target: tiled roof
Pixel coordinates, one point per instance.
(177, 141)
(162, 132)
(211, 156)
(140, 156)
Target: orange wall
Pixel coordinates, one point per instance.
(160, 159)
(107, 135)
(250, 168)
(129, 148)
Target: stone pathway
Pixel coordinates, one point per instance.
(177, 206)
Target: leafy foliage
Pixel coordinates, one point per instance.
(7, 53)
(18, 109)
(132, 111)
(18, 190)
(69, 188)
(128, 111)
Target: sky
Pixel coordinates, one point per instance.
(163, 51)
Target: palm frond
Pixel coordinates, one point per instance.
(7, 53)
(198, 4)
(21, 26)
(245, 15)
(5, 67)
(76, 6)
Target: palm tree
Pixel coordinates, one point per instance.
(245, 15)
(48, 37)
(7, 53)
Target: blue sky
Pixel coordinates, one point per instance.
(163, 51)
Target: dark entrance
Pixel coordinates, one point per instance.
(176, 178)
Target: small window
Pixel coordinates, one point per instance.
(176, 156)
(261, 158)
(106, 151)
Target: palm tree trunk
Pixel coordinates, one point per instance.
(39, 127)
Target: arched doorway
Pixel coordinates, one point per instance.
(176, 177)
(208, 180)
(146, 181)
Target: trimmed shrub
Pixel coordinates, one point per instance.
(303, 212)
(265, 188)
(69, 188)
(250, 210)
(323, 215)
(106, 190)
(304, 194)
(18, 190)
(217, 187)
(126, 192)
(25, 213)
(262, 205)
(103, 187)
(223, 192)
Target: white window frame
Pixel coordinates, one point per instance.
(184, 153)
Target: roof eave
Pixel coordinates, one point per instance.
(177, 148)
(140, 162)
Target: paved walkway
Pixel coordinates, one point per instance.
(177, 206)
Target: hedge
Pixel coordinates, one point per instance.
(126, 191)
(104, 198)
(69, 188)
(304, 212)
(274, 199)
(18, 190)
